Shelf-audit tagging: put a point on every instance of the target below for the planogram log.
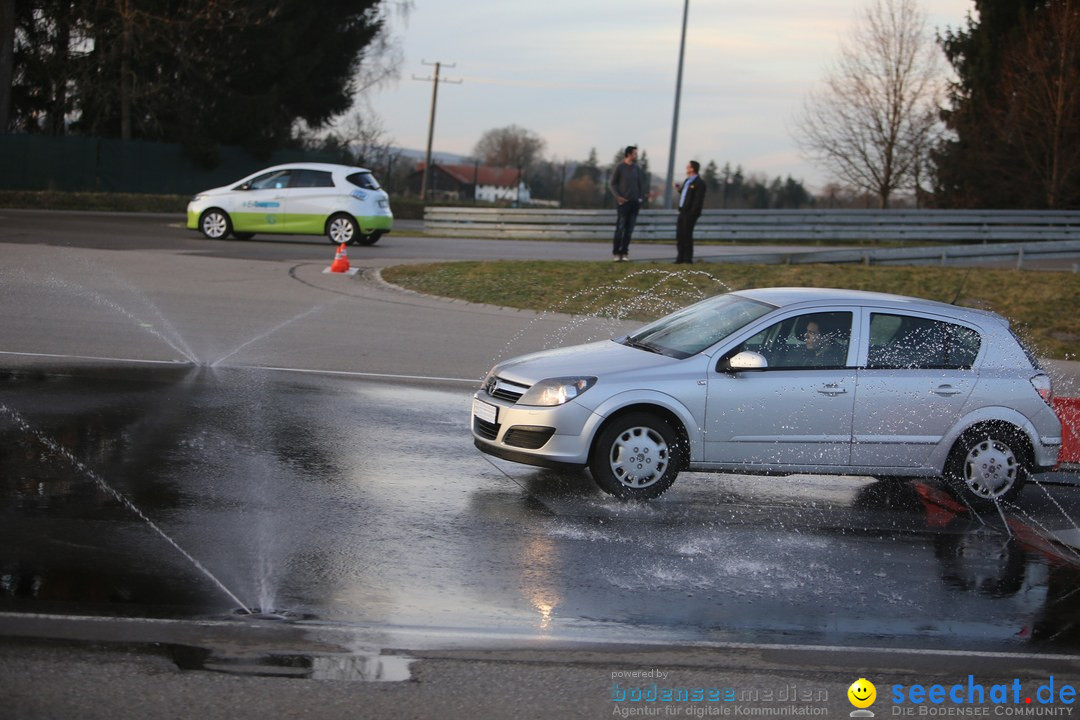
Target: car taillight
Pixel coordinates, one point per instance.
(1042, 385)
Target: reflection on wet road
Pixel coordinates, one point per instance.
(363, 502)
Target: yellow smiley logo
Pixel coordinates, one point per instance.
(862, 693)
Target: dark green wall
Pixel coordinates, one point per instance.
(80, 164)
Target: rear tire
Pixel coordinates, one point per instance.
(636, 457)
(342, 228)
(989, 464)
(215, 224)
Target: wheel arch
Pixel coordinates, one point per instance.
(994, 417)
(337, 213)
(665, 413)
(985, 426)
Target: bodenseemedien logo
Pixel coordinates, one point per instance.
(862, 695)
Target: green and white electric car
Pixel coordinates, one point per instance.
(344, 203)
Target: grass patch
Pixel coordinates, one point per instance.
(1041, 305)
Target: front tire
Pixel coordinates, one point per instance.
(989, 464)
(342, 228)
(215, 224)
(636, 457)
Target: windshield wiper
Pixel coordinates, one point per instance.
(635, 343)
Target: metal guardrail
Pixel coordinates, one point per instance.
(956, 226)
(923, 255)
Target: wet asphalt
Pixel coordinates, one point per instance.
(186, 436)
(362, 502)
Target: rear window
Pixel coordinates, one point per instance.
(364, 180)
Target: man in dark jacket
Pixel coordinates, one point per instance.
(691, 198)
(628, 186)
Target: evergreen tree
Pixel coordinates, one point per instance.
(978, 167)
(590, 168)
(711, 177)
(643, 162)
(232, 72)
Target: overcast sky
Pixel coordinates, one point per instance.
(601, 73)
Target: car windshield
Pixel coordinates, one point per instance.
(700, 326)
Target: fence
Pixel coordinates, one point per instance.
(81, 164)
(795, 226)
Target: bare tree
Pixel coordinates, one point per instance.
(873, 122)
(364, 136)
(511, 146)
(383, 56)
(1040, 115)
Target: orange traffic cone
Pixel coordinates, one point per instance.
(341, 261)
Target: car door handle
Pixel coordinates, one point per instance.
(832, 390)
(946, 390)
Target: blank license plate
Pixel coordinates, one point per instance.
(484, 411)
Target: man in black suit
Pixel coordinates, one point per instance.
(691, 199)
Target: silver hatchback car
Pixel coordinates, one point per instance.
(782, 381)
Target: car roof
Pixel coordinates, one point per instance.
(325, 167)
(790, 296)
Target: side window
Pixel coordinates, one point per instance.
(270, 181)
(908, 342)
(817, 340)
(310, 179)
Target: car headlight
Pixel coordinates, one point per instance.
(556, 391)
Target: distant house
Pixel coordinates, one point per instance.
(467, 183)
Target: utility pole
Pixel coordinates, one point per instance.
(675, 120)
(431, 122)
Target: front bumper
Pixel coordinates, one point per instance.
(518, 431)
(523, 457)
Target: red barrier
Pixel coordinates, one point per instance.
(1068, 409)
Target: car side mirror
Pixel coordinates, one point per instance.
(747, 360)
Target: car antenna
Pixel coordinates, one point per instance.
(961, 288)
